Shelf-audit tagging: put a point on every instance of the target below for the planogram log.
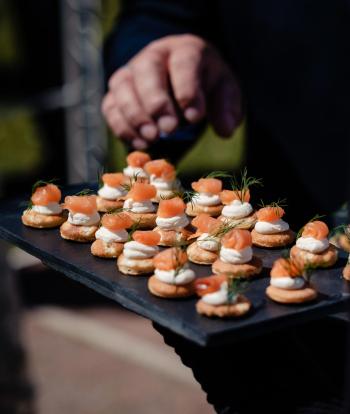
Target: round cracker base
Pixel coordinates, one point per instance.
(104, 205)
(36, 220)
(235, 310)
(135, 267)
(246, 223)
(112, 250)
(81, 234)
(291, 296)
(145, 221)
(200, 256)
(250, 269)
(164, 290)
(193, 210)
(273, 240)
(324, 259)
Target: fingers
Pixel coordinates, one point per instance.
(151, 84)
(185, 67)
(225, 109)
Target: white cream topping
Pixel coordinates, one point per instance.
(273, 227)
(80, 219)
(182, 276)
(48, 210)
(289, 283)
(111, 193)
(237, 210)
(108, 236)
(207, 242)
(172, 223)
(234, 256)
(206, 199)
(162, 184)
(220, 297)
(134, 172)
(136, 250)
(140, 207)
(312, 245)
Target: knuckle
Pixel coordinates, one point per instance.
(156, 103)
(121, 75)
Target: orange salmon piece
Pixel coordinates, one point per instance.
(237, 239)
(270, 213)
(170, 259)
(207, 185)
(114, 179)
(205, 223)
(161, 169)
(81, 204)
(228, 196)
(115, 222)
(211, 284)
(171, 208)
(316, 229)
(137, 159)
(284, 268)
(150, 238)
(46, 194)
(142, 191)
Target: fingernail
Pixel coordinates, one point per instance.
(167, 123)
(139, 144)
(192, 114)
(149, 131)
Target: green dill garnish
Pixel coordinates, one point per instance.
(100, 173)
(235, 286)
(242, 184)
(218, 174)
(40, 183)
(133, 228)
(314, 218)
(84, 192)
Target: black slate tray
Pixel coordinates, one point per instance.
(75, 261)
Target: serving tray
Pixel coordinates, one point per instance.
(75, 261)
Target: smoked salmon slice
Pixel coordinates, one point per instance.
(137, 159)
(228, 196)
(237, 239)
(170, 259)
(46, 194)
(81, 204)
(205, 223)
(171, 207)
(161, 169)
(316, 229)
(114, 179)
(284, 268)
(211, 284)
(142, 191)
(207, 185)
(115, 222)
(270, 213)
(150, 238)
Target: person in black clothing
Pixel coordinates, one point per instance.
(284, 66)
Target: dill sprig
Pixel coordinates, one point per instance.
(314, 218)
(35, 186)
(84, 192)
(186, 196)
(242, 183)
(235, 286)
(341, 229)
(275, 204)
(133, 228)
(100, 172)
(218, 174)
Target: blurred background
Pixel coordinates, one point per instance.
(75, 352)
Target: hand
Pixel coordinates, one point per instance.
(176, 73)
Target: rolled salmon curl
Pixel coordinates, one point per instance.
(161, 169)
(237, 239)
(170, 259)
(114, 179)
(142, 191)
(207, 185)
(228, 196)
(171, 207)
(46, 194)
(205, 223)
(115, 222)
(149, 237)
(270, 213)
(81, 204)
(285, 268)
(137, 159)
(211, 284)
(316, 229)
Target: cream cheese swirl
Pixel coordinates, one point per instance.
(109, 236)
(207, 242)
(172, 223)
(80, 219)
(50, 209)
(237, 210)
(131, 172)
(312, 245)
(271, 227)
(289, 283)
(111, 193)
(206, 199)
(140, 207)
(182, 276)
(220, 297)
(136, 250)
(234, 256)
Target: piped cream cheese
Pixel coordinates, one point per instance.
(132, 172)
(109, 236)
(136, 250)
(172, 223)
(289, 283)
(182, 276)
(234, 256)
(220, 297)
(312, 245)
(237, 210)
(140, 207)
(207, 242)
(111, 193)
(80, 219)
(273, 227)
(206, 199)
(49, 210)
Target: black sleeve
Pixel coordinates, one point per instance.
(142, 21)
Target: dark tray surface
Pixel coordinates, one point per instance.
(75, 261)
